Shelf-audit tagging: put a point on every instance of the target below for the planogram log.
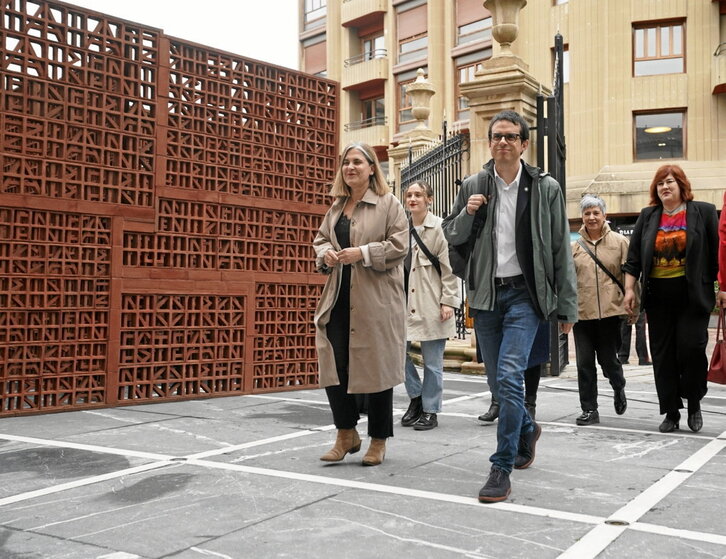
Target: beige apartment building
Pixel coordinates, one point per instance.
(645, 80)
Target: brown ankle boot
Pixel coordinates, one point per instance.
(375, 453)
(347, 441)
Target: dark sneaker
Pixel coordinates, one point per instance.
(492, 413)
(414, 411)
(621, 403)
(426, 421)
(589, 417)
(527, 443)
(497, 488)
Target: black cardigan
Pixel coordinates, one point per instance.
(701, 251)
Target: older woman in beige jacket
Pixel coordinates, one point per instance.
(433, 294)
(600, 307)
(360, 319)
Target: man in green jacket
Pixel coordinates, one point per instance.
(520, 272)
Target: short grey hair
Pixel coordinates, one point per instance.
(590, 201)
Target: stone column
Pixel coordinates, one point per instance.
(502, 82)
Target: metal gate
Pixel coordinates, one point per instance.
(442, 166)
(551, 124)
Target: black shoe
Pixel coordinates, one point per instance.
(426, 421)
(492, 413)
(414, 411)
(621, 403)
(695, 421)
(527, 443)
(670, 423)
(589, 417)
(497, 488)
(642, 363)
(623, 361)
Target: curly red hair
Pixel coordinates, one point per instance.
(684, 185)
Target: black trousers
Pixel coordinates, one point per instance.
(641, 346)
(345, 408)
(678, 339)
(597, 339)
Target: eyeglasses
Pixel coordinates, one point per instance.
(511, 138)
(667, 182)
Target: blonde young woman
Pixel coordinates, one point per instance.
(433, 294)
(360, 319)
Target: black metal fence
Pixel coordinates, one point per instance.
(442, 165)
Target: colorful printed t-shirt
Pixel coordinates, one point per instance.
(669, 254)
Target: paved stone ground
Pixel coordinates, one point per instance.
(240, 477)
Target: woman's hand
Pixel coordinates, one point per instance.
(446, 312)
(330, 258)
(349, 255)
(721, 299)
(629, 301)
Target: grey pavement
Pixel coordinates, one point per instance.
(240, 477)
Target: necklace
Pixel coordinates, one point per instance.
(675, 210)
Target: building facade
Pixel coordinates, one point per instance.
(645, 80)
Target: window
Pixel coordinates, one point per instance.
(373, 47)
(464, 69)
(473, 22)
(465, 74)
(413, 41)
(315, 58)
(660, 135)
(315, 11)
(373, 111)
(658, 49)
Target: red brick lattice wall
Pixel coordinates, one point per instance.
(157, 205)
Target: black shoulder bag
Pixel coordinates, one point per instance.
(434, 260)
(583, 244)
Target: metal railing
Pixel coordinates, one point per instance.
(365, 57)
(365, 123)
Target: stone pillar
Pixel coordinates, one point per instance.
(421, 136)
(502, 82)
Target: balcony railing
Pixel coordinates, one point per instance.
(366, 56)
(368, 70)
(365, 123)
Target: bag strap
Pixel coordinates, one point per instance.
(427, 252)
(720, 326)
(583, 244)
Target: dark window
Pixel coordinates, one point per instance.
(660, 135)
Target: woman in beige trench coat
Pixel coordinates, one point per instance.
(361, 317)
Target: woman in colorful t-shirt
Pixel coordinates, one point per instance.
(674, 253)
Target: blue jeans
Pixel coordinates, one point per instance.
(505, 336)
(432, 388)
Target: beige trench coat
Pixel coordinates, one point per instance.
(427, 290)
(598, 296)
(378, 306)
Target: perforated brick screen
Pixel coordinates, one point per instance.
(157, 207)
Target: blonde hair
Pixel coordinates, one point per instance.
(377, 181)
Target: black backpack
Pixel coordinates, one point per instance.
(459, 254)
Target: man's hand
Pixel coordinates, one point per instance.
(475, 202)
(565, 327)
